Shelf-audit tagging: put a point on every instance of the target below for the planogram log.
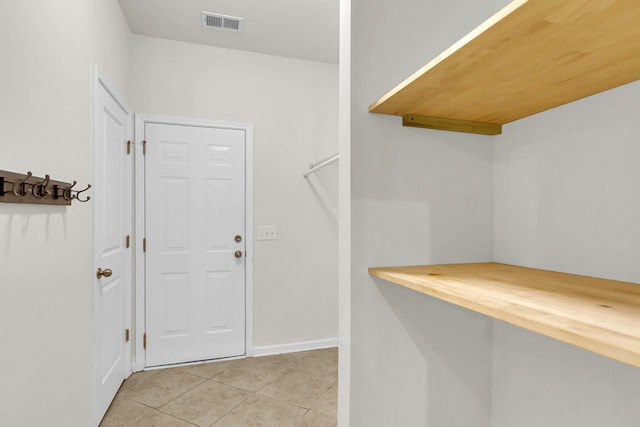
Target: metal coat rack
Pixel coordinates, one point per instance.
(26, 188)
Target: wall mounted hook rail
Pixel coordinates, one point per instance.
(26, 188)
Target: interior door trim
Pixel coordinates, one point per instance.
(139, 200)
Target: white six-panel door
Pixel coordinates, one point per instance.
(195, 243)
(112, 204)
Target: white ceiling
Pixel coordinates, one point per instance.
(304, 29)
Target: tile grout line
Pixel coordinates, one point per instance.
(183, 393)
(170, 400)
(239, 403)
(251, 393)
(299, 420)
(158, 410)
(205, 380)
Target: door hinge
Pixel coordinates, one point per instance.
(144, 244)
(128, 147)
(126, 335)
(144, 148)
(128, 241)
(144, 341)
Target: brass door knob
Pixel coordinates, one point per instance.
(238, 254)
(103, 273)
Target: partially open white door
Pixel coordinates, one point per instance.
(195, 243)
(112, 204)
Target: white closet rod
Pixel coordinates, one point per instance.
(322, 163)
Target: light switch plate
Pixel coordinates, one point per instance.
(267, 232)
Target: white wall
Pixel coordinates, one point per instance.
(418, 197)
(293, 107)
(46, 253)
(567, 198)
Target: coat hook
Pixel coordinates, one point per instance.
(19, 187)
(39, 189)
(66, 192)
(75, 196)
(57, 191)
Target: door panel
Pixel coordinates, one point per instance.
(112, 206)
(194, 208)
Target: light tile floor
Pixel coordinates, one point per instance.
(295, 389)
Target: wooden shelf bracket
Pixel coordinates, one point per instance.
(441, 123)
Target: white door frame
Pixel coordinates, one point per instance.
(140, 304)
(100, 80)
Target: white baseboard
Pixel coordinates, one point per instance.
(269, 350)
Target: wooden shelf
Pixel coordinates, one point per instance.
(599, 315)
(531, 56)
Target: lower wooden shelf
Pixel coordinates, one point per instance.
(599, 315)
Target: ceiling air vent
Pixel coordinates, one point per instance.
(224, 22)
